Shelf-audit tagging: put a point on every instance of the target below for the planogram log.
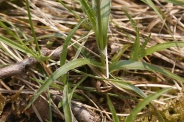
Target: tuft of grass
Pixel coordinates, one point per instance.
(99, 20)
(66, 100)
(58, 73)
(105, 71)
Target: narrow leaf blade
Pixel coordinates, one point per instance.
(135, 51)
(59, 72)
(15, 45)
(65, 45)
(142, 104)
(112, 109)
(105, 13)
(67, 105)
(136, 65)
(163, 46)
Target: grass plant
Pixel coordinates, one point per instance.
(94, 61)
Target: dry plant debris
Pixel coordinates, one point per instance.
(52, 23)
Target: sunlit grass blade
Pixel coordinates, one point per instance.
(53, 85)
(98, 34)
(159, 12)
(89, 12)
(105, 13)
(64, 54)
(66, 102)
(8, 30)
(135, 65)
(112, 109)
(98, 15)
(32, 28)
(75, 14)
(163, 46)
(142, 104)
(143, 47)
(67, 41)
(119, 54)
(152, 5)
(50, 106)
(67, 105)
(76, 85)
(135, 51)
(12, 30)
(14, 36)
(69, 9)
(17, 46)
(102, 12)
(59, 72)
(9, 51)
(146, 42)
(129, 86)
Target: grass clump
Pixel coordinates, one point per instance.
(102, 57)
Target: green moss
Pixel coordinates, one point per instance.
(173, 111)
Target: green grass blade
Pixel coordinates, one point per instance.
(163, 46)
(89, 12)
(64, 53)
(98, 34)
(112, 109)
(152, 5)
(8, 30)
(102, 16)
(143, 47)
(67, 97)
(119, 54)
(32, 28)
(135, 51)
(135, 65)
(50, 107)
(146, 42)
(105, 13)
(99, 37)
(67, 41)
(16, 37)
(129, 86)
(69, 9)
(17, 46)
(142, 104)
(67, 105)
(76, 85)
(59, 72)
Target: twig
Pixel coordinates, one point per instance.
(21, 66)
